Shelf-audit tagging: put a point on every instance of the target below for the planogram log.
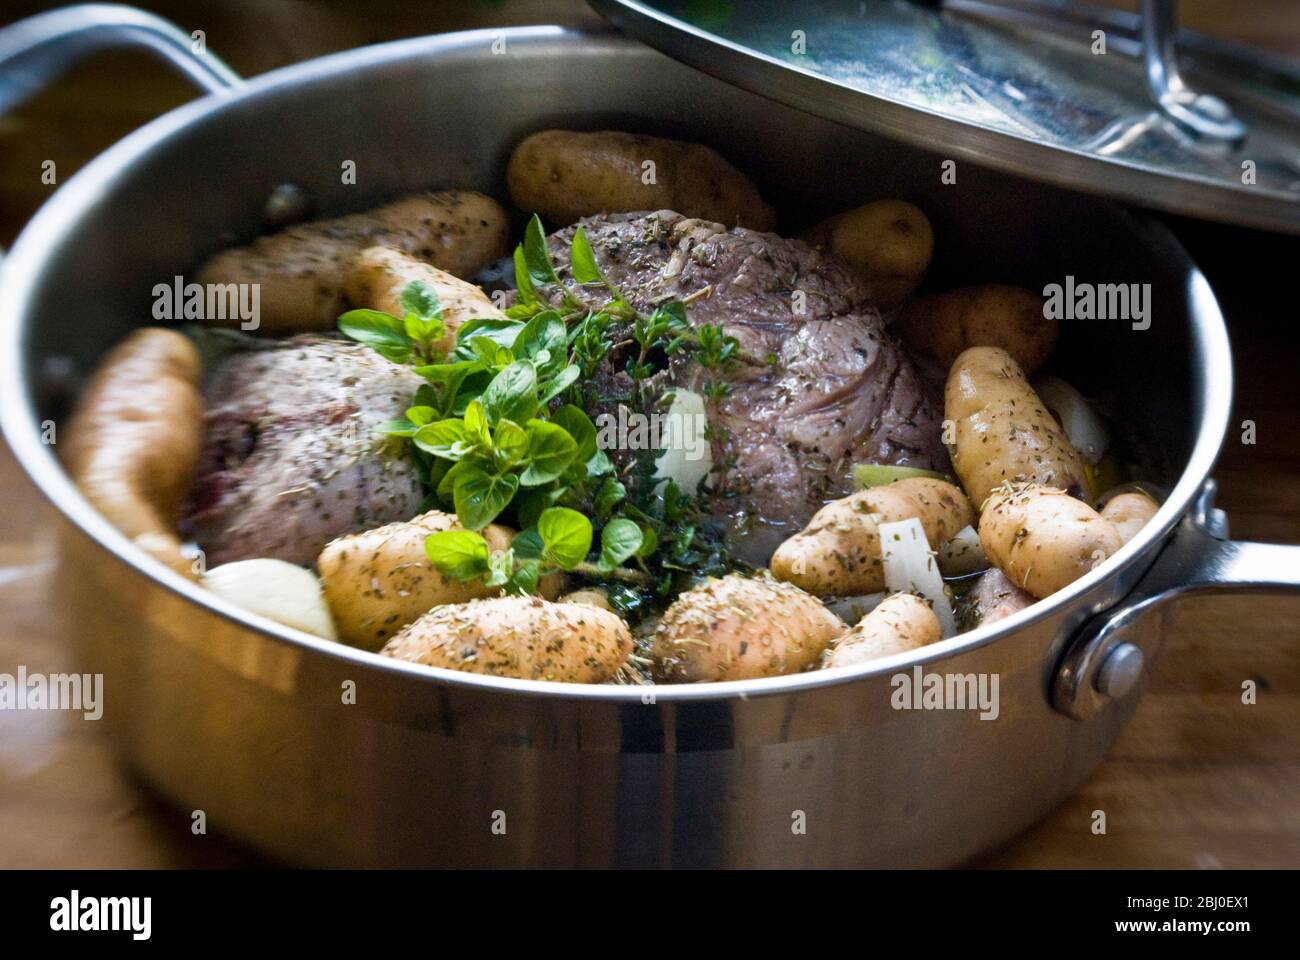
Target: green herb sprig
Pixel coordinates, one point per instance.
(499, 430)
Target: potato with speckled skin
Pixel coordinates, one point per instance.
(1042, 538)
(942, 325)
(1129, 512)
(379, 275)
(300, 270)
(591, 596)
(565, 175)
(378, 581)
(524, 637)
(838, 553)
(739, 628)
(131, 445)
(900, 622)
(1003, 431)
(889, 244)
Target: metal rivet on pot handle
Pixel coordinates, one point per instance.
(1107, 659)
(1120, 672)
(37, 51)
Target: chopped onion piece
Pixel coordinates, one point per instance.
(687, 456)
(963, 554)
(867, 475)
(1086, 430)
(853, 609)
(910, 567)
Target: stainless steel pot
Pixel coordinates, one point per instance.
(231, 714)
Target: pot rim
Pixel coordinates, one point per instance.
(22, 272)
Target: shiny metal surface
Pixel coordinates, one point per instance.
(36, 51)
(1018, 85)
(226, 712)
(1199, 113)
(1120, 672)
(1197, 560)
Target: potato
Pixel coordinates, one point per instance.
(901, 622)
(1042, 538)
(301, 270)
(838, 553)
(738, 628)
(524, 637)
(942, 325)
(995, 598)
(889, 243)
(133, 442)
(565, 175)
(280, 591)
(590, 596)
(379, 275)
(1003, 431)
(1129, 512)
(378, 581)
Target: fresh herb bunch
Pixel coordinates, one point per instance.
(499, 428)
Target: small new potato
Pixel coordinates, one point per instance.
(838, 553)
(132, 445)
(738, 628)
(942, 325)
(378, 581)
(275, 589)
(300, 271)
(1129, 512)
(1002, 430)
(379, 275)
(524, 637)
(901, 622)
(590, 596)
(889, 243)
(1042, 538)
(565, 175)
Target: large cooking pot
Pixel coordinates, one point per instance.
(231, 714)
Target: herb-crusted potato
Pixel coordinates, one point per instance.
(1003, 431)
(131, 446)
(590, 596)
(838, 553)
(738, 628)
(900, 622)
(942, 325)
(1042, 538)
(525, 637)
(301, 270)
(1129, 512)
(889, 243)
(378, 581)
(379, 275)
(565, 175)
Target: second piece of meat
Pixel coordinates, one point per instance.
(291, 458)
(820, 384)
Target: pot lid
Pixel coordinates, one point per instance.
(1098, 100)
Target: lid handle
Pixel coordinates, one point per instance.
(1200, 113)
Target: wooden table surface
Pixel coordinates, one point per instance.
(1198, 779)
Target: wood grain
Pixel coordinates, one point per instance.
(1198, 780)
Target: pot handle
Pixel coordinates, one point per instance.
(1107, 657)
(37, 51)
